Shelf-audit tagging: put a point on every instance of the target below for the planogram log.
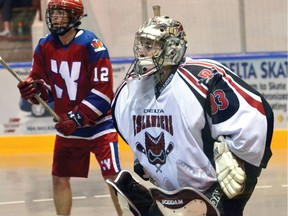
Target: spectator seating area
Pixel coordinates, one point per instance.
(18, 46)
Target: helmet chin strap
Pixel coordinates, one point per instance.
(61, 33)
(66, 29)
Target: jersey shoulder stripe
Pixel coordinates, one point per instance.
(233, 81)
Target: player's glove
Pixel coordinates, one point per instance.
(72, 120)
(230, 175)
(29, 88)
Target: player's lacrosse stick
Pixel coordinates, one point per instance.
(38, 98)
(156, 9)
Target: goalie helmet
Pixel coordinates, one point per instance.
(161, 41)
(72, 10)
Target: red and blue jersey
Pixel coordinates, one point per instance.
(77, 74)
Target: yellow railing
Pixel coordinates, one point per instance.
(44, 143)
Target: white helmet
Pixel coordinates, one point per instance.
(161, 41)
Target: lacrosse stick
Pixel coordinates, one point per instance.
(38, 98)
(156, 9)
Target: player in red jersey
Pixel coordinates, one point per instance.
(190, 124)
(71, 66)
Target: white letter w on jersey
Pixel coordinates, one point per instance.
(106, 164)
(70, 77)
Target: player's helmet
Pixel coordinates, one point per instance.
(74, 9)
(161, 41)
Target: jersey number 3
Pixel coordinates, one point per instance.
(218, 101)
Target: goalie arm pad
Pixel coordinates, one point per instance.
(230, 175)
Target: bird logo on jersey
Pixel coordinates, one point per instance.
(155, 149)
(206, 74)
(97, 45)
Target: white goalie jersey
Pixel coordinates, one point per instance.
(171, 131)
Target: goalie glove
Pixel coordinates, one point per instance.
(230, 175)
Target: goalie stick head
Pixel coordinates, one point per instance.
(183, 201)
(132, 196)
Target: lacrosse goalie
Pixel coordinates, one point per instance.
(190, 124)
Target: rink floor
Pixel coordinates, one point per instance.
(26, 187)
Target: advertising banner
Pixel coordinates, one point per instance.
(266, 72)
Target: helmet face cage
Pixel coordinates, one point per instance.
(74, 10)
(148, 52)
(161, 41)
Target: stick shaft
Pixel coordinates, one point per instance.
(38, 98)
(156, 9)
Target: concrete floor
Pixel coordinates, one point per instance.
(26, 188)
